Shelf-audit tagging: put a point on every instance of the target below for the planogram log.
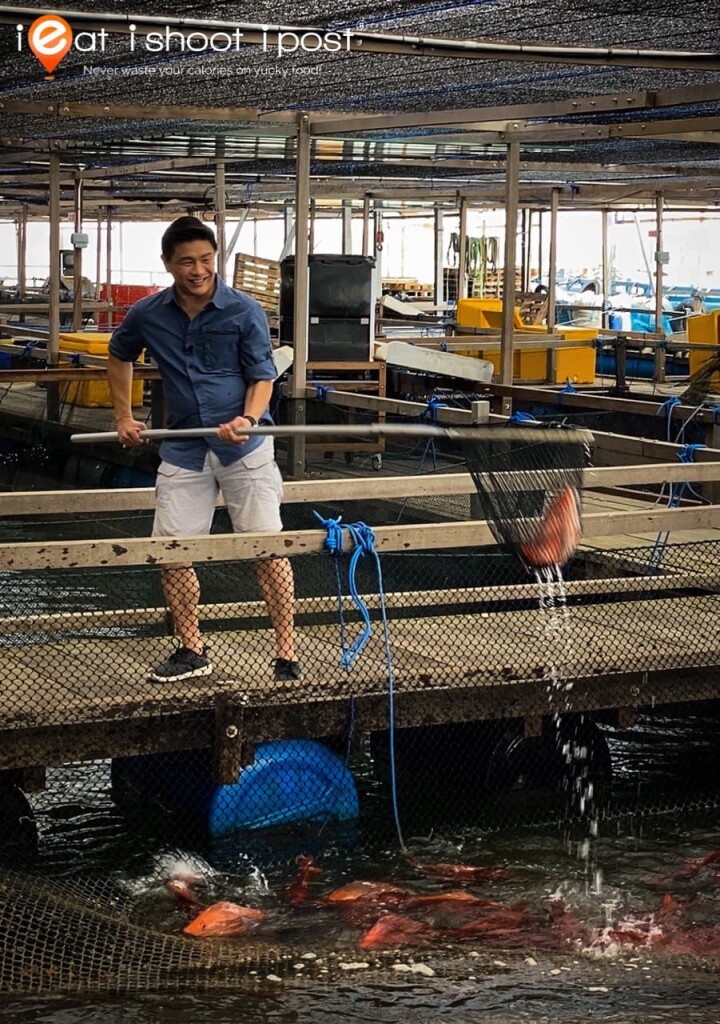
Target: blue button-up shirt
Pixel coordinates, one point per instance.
(207, 364)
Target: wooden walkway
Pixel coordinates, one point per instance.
(67, 699)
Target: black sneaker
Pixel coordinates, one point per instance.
(182, 664)
(285, 671)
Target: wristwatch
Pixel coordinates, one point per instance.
(251, 419)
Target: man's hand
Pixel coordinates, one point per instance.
(130, 432)
(234, 431)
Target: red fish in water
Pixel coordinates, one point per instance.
(694, 867)
(398, 930)
(449, 909)
(224, 919)
(498, 922)
(298, 890)
(557, 535)
(369, 892)
(459, 872)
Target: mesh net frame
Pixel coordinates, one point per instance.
(528, 485)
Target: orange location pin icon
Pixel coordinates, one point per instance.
(50, 38)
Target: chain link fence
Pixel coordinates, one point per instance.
(426, 689)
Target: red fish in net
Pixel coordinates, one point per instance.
(557, 535)
(225, 919)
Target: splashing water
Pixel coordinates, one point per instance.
(557, 634)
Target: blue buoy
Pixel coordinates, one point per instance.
(289, 782)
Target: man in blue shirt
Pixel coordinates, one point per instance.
(212, 346)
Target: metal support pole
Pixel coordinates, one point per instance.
(605, 268)
(347, 227)
(289, 220)
(230, 246)
(462, 254)
(512, 184)
(108, 266)
(311, 231)
(660, 351)
(53, 345)
(366, 226)
(439, 295)
(523, 250)
(377, 247)
(552, 261)
(220, 204)
(77, 318)
(541, 218)
(22, 252)
(296, 447)
(98, 256)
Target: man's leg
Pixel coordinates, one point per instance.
(185, 501)
(275, 577)
(182, 594)
(252, 488)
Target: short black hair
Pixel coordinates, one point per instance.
(186, 229)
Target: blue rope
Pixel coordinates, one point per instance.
(677, 493)
(363, 539)
(522, 417)
(322, 391)
(666, 409)
(568, 389)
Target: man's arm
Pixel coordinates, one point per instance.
(120, 378)
(257, 399)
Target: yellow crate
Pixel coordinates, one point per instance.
(92, 394)
(531, 364)
(703, 330)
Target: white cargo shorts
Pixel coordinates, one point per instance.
(251, 487)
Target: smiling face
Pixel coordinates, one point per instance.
(192, 266)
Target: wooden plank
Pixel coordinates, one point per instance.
(498, 649)
(328, 716)
(348, 488)
(85, 622)
(603, 403)
(221, 547)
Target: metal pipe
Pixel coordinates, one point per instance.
(552, 261)
(508, 303)
(480, 433)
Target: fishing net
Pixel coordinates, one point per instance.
(528, 482)
(704, 382)
(65, 935)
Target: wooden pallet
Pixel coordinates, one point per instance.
(259, 278)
